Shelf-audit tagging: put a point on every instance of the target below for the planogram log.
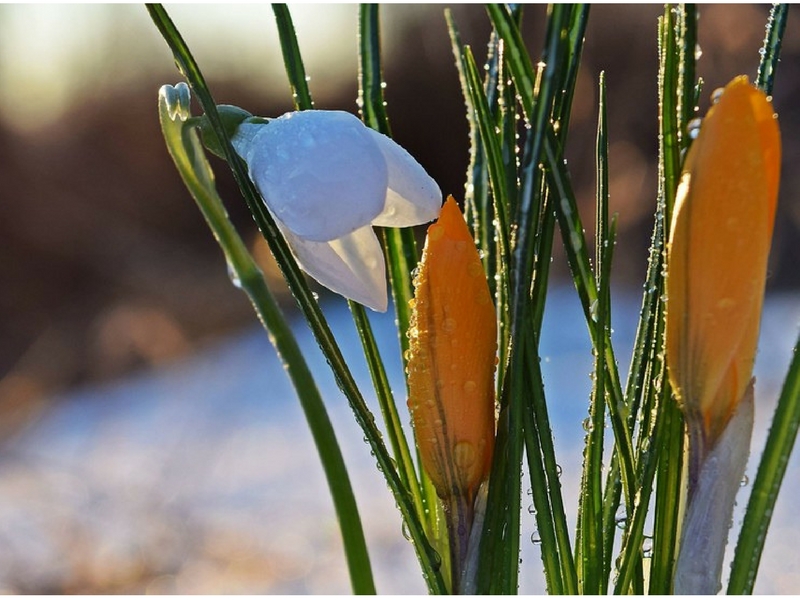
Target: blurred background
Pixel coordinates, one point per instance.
(142, 413)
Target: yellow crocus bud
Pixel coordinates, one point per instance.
(717, 256)
(716, 269)
(452, 350)
(451, 364)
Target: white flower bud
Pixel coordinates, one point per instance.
(326, 179)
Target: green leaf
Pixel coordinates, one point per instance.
(771, 50)
(771, 470)
(497, 571)
(589, 545)
(292, 59)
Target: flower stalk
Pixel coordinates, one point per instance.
(717, 263)
(451, 365)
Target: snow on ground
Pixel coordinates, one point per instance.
(202, 477)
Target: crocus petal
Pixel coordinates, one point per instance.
(452, 359)
(717, 255)
(320, 172)
(352, 265)
(412, 197)
(709, 512)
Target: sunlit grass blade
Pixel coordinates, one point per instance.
(477, 199)
(659, 447)
(291, 58)
(497, 571)
(771, 50)
(494, 155)
(187, 152)
(370, 75)
(537, 427)
(478, 196)
(534, 226)
(478, 204)
(678, 86)
(687, 52)
(577, 254)
(669, 488)
(630, 578)
(506, 119)
(566, 207)
(563, 46)
(771, 470)
(590, 557)
(401, 252)
(579, 19)
(429, 559)
(400, 243)
(515, 54)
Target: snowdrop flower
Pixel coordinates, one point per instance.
(327, 179)
(716, 269)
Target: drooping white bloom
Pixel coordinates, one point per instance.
(327, 179)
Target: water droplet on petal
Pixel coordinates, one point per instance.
(435, 232)
(693, 128)
(464, 455)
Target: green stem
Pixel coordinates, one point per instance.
(187, 152)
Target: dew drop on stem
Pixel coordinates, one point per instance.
(234, 276)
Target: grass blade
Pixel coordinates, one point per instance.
(497, 572)
(771, 470)
(771, 50)
(291, 58)
(400, 244)
(590, 549)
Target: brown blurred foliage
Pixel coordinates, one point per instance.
(106, 265)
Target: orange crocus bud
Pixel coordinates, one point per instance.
(717, 257)
(716, 268)
(453, 345)
(451, 364)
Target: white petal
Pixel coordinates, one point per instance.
(352, 265)
(412, 197)
(320, 172)
(244, 137)
(708, 517)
